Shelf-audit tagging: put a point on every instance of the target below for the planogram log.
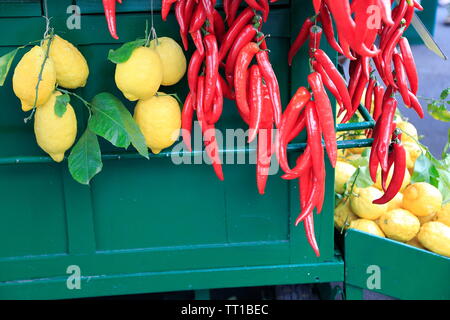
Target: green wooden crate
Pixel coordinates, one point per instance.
(394, 269)
(147, 225)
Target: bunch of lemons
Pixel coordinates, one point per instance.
(55, 62)
(139, 78)
(416, 216)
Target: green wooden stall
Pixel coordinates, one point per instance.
(394, 269)
(147, 225)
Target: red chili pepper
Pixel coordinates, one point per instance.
(369, 94)
(386, 13)
(402, 78)
(219, 26)
(325, 114)
(397, 176)
(241, 76)
(317, 5)
(265, 9)
(227, 93)
(415, 104)
(254, 5)
(355, 75)
(109, 7)
(187, 115)
(198, 19)
(288, 121)
(217, 107)
(327, 81)
(300, 39)
(180, 15)
(209, 9)
(198, 41)
(303, 165)
(409, 63)
(327, 26)
(398, 15)
(310, 203)
(335, 76)
(234, 7)
(211, 70)
(256, 101)
(165, 9)
(247, 35)
(189, 11)
(208, 131)
(264, 155)
(384, 133)
(272, 84)
(357, 95)
(308, 225)
(244, 18)
(193, 70)
(378, 101)
(388, 53)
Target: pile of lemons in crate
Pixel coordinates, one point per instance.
(416, 216)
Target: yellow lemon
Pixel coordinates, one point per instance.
(343, 215)
(159, 119)
(139, 78)
(443, 214)
(399, 224)
(343, 172)
(409, 131)
(26, 75)
(172, 59)
(362, 206)
(71, 67)
(426, 219)
(422, 199)
(415, 243)
(55, 134)
(368, 226)
(396, 203)
(413, 151)
(406, 179)
(435, 236)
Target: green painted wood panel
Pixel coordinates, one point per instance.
(20, 8)
(406, 272)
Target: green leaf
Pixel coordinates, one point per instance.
(112, 121)
(123, 53)
(364, 180)
(439, 112)
(85, 159)
(422, 169)
(61, 104)
(445, 93)
(5, 64)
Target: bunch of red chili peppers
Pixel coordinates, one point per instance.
(230, 47)
(358, 32)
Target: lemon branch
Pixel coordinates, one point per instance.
(41, 71)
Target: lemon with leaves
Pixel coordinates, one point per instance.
(139, 78)
(159, 119)
(399, 224)
(26, 75)
(344, 171)
(413, 152)
(172, 59)
(409, 131)
(422, 199)
(343, 215)
(443, 214)
(54, 134)
(361, 203)
(405, 183)
(435, 236)
(71, 67)
(368, 226)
